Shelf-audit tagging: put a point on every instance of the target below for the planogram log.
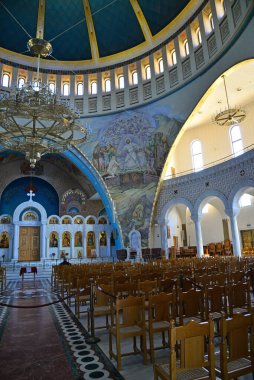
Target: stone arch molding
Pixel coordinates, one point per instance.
(199, 203)
(236, 193)
(170, 204)
(26, 205)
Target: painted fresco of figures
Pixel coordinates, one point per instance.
(130, 153)
(66, 239)
(78, 239)
(103, 239)
(53, 239)
(4, 240)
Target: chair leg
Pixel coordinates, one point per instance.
(151, 347)
(144, 349)
(110, 344)
(118, 353)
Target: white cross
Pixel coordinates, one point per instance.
(31, 194)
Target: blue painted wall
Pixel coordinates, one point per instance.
(16, 193)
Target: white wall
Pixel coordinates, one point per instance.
(212, 227)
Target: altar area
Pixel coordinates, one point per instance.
(32, 236)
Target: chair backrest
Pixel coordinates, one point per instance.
(147, 287)
(196, 341)
(239, 296)
(130, 311)
(191, 304)
(236, 341)
(215, 299)
(162, 307)
(102, 295)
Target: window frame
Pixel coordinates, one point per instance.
(107, 80)
(161, 65)
(8, 76)
(52, 83)
(236, 153)
(148, 73)
(194, 155)
(186, 47)
(80, 85)
(93, 87)
(66, 85)
(134, 77)
(121, 82)
(19, 79)
(173, 56)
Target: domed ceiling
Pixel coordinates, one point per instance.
(78, 29)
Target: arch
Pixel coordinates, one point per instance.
(54, 219)
(236, 193)
(170, 204)
(79, 219)
(102, 220)
(30, 204)
(90, 219)
(200, 201)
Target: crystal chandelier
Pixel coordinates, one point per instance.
(229, 116)
(33, 120)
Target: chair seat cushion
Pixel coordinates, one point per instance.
(191, 374)
(233, 365)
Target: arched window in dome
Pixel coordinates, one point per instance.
(134, 77)
(66, 89)
(52, 87)
(148, 72)
(186, 47)
(36, 85)
(173, 56)
(94, 87)
(236, 140)
(161, 65)
(197, 155)
(6, 80)
(121, 81)
(21, 82)
(199, 37)
(210, 17)
(80, 89)
(107, 85)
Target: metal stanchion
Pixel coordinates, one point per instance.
(92, 339)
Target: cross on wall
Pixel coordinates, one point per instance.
(31, 195)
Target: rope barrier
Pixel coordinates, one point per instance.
(35, 306)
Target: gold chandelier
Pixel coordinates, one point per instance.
(33, 120)
(229, 116)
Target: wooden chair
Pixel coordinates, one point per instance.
(102, 304)
(161, 309)
(82, 295)
(195, 362)
(239, 298)
(236, 357)
(191, 306)
(129, 323)
(211, 249)
(228, 251)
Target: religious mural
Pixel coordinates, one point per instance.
(73, 202)
(129, 150)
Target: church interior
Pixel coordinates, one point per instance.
(126, 189)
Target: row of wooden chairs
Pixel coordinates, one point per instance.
(197, 358)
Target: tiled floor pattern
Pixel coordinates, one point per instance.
(45, 343)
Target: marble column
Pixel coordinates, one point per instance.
(199, 239)
(235, 235)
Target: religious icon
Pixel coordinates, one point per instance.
(53, 241)
(103, 239)
(90, 239)
(66, 241)
(78, 239)
(4, 240)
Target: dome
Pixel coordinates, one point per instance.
(82, 30)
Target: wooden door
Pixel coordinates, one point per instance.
(29, 244)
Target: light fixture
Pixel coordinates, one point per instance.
(33, 120)
(229, 116)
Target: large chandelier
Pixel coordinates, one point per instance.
(33, 120)
(230, 115)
